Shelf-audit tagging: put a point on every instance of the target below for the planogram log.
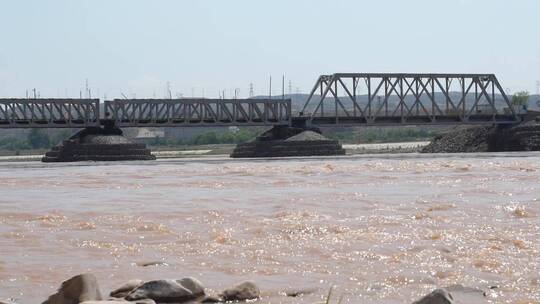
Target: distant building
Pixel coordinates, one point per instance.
(146, 133)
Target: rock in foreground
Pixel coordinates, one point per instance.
(168, 291)
(78, 289)
(456, 294)
(241, 292)
(125, 289)
(438, 296)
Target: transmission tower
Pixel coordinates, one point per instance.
(168, 91)
(87, 89)
(251, 91)
(290, 87)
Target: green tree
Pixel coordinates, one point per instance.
(38, 139)
(520, 98)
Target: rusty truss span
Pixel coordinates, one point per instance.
(389, 98)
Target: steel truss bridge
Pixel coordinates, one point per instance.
(340, 99)
(380, 99)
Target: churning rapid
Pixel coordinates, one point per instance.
(383, 229)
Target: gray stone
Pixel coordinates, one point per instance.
(193, 285)
(161, 291)
(242, 292)
(212, 299)
(125, 289)
(78, 289)
(8, 301)
(466, 295)
(299, 292)
(120, 301)
(143, 301)
(438, 296)
(106, 302)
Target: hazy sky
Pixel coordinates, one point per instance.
(136, 47)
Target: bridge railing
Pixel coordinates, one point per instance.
(196, 112)
(49, 113)
(367, 98)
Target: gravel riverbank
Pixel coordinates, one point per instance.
(464, 139)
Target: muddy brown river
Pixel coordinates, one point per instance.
(382, 229)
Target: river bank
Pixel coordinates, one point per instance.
(225, 149)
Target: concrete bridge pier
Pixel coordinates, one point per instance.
(289, 141)
(105, 143)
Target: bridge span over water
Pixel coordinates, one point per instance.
(344, 99)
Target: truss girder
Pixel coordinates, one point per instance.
(196, 112)
(382, 98)
(49, 113)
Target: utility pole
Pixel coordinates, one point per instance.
(283, 87)
(538, 87)
(270, 90)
